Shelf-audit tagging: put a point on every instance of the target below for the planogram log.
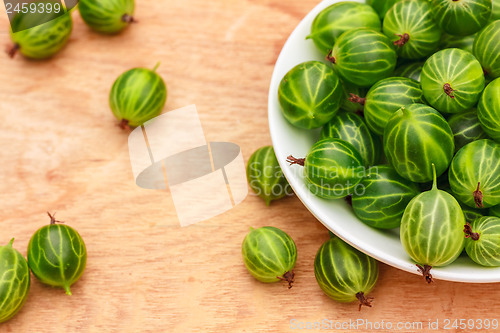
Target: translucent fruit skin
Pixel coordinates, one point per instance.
(432, 228)
(363, 56)
(461, 71)
(310, 94)
(486, 250)
(477, 162)
(106, 16)
(265, 176)
(342, 271)
(488, 110)
(412, 17)
(57, 256)
(463, 17)
(268, 253)
(385, 197)
(332, 21)
(14, 286)
(416, 137)
(137, 96)
(486, 48)
(44, 40)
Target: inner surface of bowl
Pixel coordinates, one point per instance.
(336, 215)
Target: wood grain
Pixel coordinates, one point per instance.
(61, 151)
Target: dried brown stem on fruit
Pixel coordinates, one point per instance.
(128, 18)
(366, 301)
(448, 90)
(404, 38)
(356, 99)
(53, 218)
(292, 160)
(330, 57)
(469, 233)
(124, 125)
(426, 272)
(478, 196)
(288, 277)
(11, 51)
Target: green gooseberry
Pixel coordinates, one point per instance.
(332, 168)
(310, 94)
(461, 17)
(269, 255)
(458, 42)
(353, 98)
(415, 138)
(352, 128)
(344, 273)
(384, 199)
(138, 95)
(265, 176)
(495, 11)
(488, 110)
(40, 41)
(482, 241)
(57, 255)
(109, 17)
(466, 128)
(452, 80)
(386, 97)
(363, 56)
(332, 21)
(486, 48)
(410, 26)
(475, 174)
(15, 281)
(495, 211)
(432, 229)
(410, 70)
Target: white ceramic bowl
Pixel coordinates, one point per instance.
(336, 215)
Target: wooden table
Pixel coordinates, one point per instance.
(61, 151)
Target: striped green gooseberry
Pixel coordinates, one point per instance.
(57, 255)
(332, 21)
(109, 17)
(269, 255)
(363, 56)
(466, 128)
(332, 168)
(410, 70)
(415, 138)
(411, 27)
(40, 40)
(452, 80)
(432, 229)
(463, 17)
(384, 199)
(475, 174)
(486, 48)
(495, 211)
(310, 94)
(344, 273)
(458, 42)
(381, 6)
(482, 244)
(138, 95)
(488, 110)
(265, 176)
(14, 283)
(386, 97)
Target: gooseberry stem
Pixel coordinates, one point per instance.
(363, 300)
(356, 99)
(288, 277)
(448, 90)
(13, 50)
(156, 66)
(53, 218)
(434, 178)
(478, 196)
(128, 18)
(330, 57)
(124, 125)
(404, 38)
(292, 160)
(469, 234)
(11, 242)
(426, 272)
